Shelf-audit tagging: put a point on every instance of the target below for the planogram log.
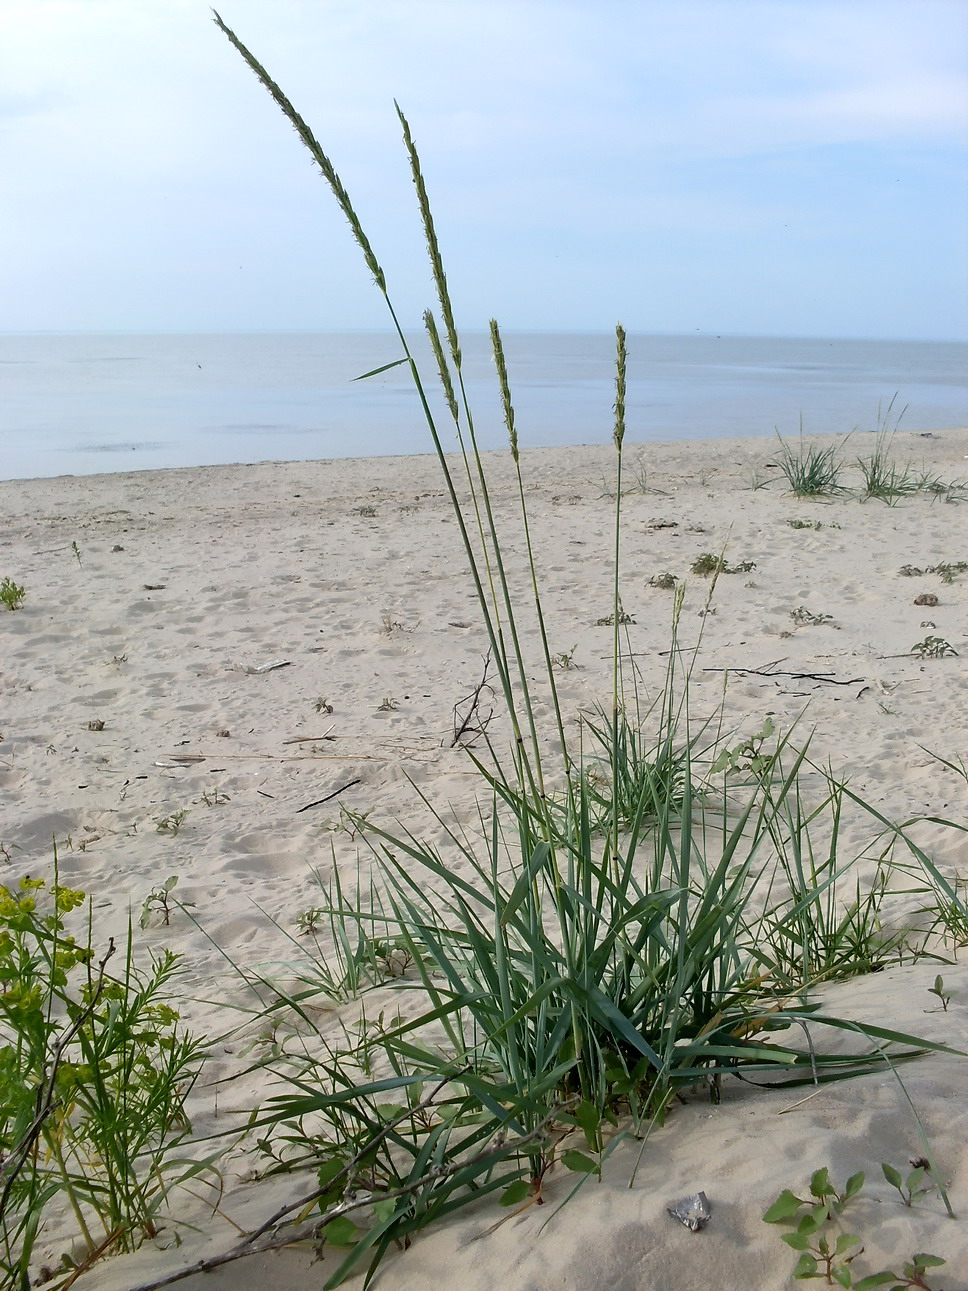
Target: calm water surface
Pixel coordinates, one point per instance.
(84, 404)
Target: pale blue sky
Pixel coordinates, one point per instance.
(758, 167)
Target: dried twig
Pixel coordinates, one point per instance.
(771, 671)
(469, 719)
(330, 796)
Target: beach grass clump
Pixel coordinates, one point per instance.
(811, 470)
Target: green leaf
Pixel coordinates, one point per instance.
(342, 1232)
(588, 1116)
(820, 1183)
(374, 372)
(525, 881)
(785, 1207)
(915, 1179)
(842, 1276)
(854, 1184)
(577, 1161)
(806, 1266)
(844, 1242)
(875, 1280)
(518, 1191)
(923, 1261)
(384, 1209)
(796, 1241)
(892, 1176)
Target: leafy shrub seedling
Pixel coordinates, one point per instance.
(824, 1254)
(12, 594)
(914, 1185)
(933, 648)
(156, 902)
(708, 564)
(801, 615)
(171, 824)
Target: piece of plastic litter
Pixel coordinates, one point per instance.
(694, 1211)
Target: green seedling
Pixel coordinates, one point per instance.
(804, 524)
(666, 581)
(818, 1255)
(77, 552)
(939, 990)
(801, 615)
(914, 1185)
(215, 797)
(933, 648)
(12, 594)
(747, 756)
(566, 659)
(157, 902)
(829, 1256)
(608, 621)
(171, 824)
(323, 705)
(708, 564)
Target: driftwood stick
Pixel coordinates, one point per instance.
(769, 671)
(330, 796)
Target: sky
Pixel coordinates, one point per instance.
(741, 167)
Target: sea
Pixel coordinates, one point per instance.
(81, 404)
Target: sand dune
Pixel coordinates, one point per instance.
(187, 583)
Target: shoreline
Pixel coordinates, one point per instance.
(186, 581)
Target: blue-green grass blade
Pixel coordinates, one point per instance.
(375, 372)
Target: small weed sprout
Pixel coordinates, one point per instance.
(366, 512)
(825, 1255)
(914, 1185)
(389, 705)
(708, 564)
(157, 902)
(933, 648)
(566, 659)
(666, 581)
(939, 990)
(747, 756)
(214, 797)
(801, 615)
(12, 594)
(804, 524)
(77, 552)
(389, 625)
(947, 571)
(608, 621)
(323, 705)
(171, 824)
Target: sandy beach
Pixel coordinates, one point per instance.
(135, 690)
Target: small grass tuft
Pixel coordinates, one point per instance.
(811, 471)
